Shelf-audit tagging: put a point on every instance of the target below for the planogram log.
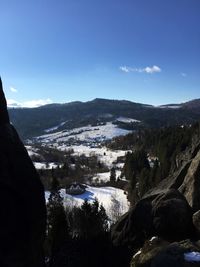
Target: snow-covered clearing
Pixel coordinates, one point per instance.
(126, 120)
(113, 199)
(85, 140)
(104, 177)
(98, 133)
(105, 155)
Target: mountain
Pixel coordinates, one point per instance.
(32, 122)
(193, 104)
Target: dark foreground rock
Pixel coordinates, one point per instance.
(160, 253)
(167, 215)
(22, 210)
(172, 216)
(134, 227)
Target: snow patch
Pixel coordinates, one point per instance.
(153, 238)
(104, 177)
(192, 256)
(138, 253)
(43, 165)
(55, 127)
(126, 120)
(32, 151)
(170, 106)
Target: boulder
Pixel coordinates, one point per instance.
(172, 216)
(167, 215)
(22, 210)
(135, 226)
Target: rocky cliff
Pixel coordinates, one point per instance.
(171, 212)
(22, 209)
(184, 176)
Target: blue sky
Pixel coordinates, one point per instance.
(65, 50)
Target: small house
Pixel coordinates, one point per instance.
(76, 189)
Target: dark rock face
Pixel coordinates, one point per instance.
(172, 216)
(167, 215)
(4, 118)
(196, 220)
(22, 211)
(191, 184)
(135, 226)
(159, 253)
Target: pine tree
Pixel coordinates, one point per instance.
(89, 221)
(57, 225)
(112, 175)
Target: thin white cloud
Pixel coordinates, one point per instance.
(152, 69)
(183, 74)
(14, 90)
(124, 69)
(28, 104)
(149, 70)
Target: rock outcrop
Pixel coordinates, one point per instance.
(134, 227)
(167, 215)
(191, 183)
(185, 176)
(172, 216)
(171, 211)
(22, 211)
(160, 253)
(166, 211)
(196, 220)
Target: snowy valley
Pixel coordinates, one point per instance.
(87, 142)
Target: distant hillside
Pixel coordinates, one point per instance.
(193, 104)
(32, 122)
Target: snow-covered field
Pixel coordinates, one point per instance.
(84, 140)
(105, 155)
(104, 177)
(113, 199)
(85, 134)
